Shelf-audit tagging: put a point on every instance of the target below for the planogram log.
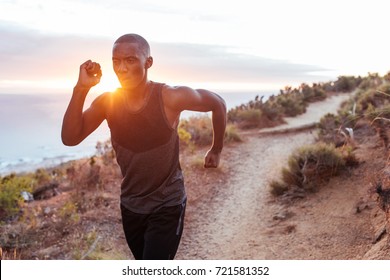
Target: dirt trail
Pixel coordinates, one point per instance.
(239, 219)
(234, 218)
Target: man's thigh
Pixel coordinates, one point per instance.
(163, 233)
(134, 226)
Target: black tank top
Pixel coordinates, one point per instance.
(147, 151)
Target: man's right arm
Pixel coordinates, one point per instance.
(77, 125)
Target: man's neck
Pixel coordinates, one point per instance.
(137, 92)
(136, 97)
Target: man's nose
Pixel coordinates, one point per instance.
(122, 67)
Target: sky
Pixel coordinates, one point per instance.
(214, 44)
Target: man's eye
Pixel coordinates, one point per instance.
(130, 60)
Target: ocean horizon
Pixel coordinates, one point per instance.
(30, 129)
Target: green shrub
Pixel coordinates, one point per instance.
(347, 83)
(184, 136)
(386, 77)
(199, 131)
(11, 188)
(200, 128)
(231, 134)
(329, 129)
(250, 118)
(373, 97)
(291, 104)
(312, 94)
(310, 166)
(373, 113)
(278, 188)
(349, 156)
(272, 111)
(42, 176)
(256, 115)
(372, 80)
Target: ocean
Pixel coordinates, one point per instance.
(30, 130)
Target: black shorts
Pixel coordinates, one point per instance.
(154, 236)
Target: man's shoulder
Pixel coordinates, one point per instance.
(175, 90)
(102, 98)
(171, 92)
(105, 100)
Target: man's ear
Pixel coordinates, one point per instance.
(149, 62)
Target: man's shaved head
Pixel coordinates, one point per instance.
(135, 38)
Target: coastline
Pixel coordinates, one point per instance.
(31, 133)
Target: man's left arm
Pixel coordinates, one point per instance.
(201, 100)
(218, 119)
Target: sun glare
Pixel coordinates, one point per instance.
(109, 82)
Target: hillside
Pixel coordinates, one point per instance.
(240, 219)
(230, 214)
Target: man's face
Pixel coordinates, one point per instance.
(130, 64)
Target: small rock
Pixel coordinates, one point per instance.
(47, 210)
(27, 196)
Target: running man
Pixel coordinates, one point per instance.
(143, 118)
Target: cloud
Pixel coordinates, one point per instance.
(30, 55)
(34, 56)
(219, 64)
